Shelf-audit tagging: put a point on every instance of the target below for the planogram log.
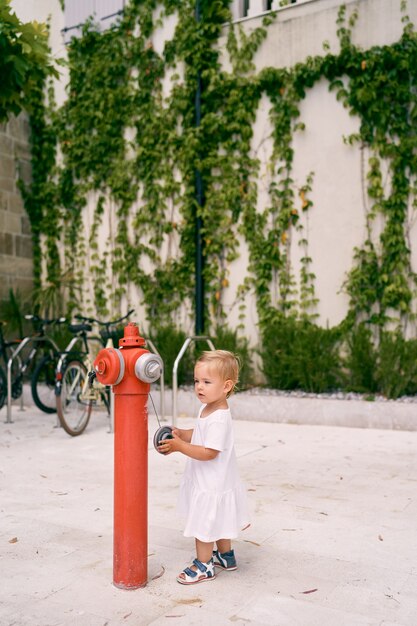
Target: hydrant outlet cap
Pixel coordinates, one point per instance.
(163, 432)
(109, 366)
(101, 367)
(148, 367)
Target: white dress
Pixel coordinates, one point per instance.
(212, 497)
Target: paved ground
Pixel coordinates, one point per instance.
(333, 540)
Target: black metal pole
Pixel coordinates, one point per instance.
(199, 244)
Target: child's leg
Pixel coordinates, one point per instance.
(204, 553)
(204, 550)
(203, 570)
(224, 556)
(224, 545)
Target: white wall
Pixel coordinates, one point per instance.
(336, 220)
(300, 29)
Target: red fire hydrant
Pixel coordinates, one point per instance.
(130, 370)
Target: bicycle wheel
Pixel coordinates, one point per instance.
(73, 411)
(3, 387)
(43, 384)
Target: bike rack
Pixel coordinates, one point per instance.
(175, 369)
(24, 343)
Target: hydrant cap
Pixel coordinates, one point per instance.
(148, 367)
(163, 432)
(132, 336)
(109, 366)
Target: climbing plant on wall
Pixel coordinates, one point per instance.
(25, 64)
(24, 61)
(128, 149)
(382, 92)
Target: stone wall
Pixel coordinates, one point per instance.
(16, 267)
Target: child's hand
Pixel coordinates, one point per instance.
(171, 445)
(183, 433)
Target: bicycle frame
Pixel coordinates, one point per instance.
(88, 393)
(42, 338)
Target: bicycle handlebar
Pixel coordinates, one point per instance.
(92, 320)
(45, 322)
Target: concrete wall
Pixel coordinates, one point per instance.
(15, 234)
(16, 265)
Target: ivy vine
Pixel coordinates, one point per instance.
(25, 61)
(129, 145)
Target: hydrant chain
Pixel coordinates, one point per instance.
(91, 377)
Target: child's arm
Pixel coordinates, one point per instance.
(184, 434)
(200, 453)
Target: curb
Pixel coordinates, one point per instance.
(259, 406)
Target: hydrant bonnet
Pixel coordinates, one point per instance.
(148, 367)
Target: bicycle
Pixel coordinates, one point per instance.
(41, 380)
(76, 394)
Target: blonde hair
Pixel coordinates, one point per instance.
(226, 363)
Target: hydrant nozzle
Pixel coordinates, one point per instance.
(101, 367)
(148, 367)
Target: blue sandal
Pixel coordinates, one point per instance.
(205, 571)
(225, 560)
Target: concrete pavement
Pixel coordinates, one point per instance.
(333, 540)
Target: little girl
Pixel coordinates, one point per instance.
(212, 498)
